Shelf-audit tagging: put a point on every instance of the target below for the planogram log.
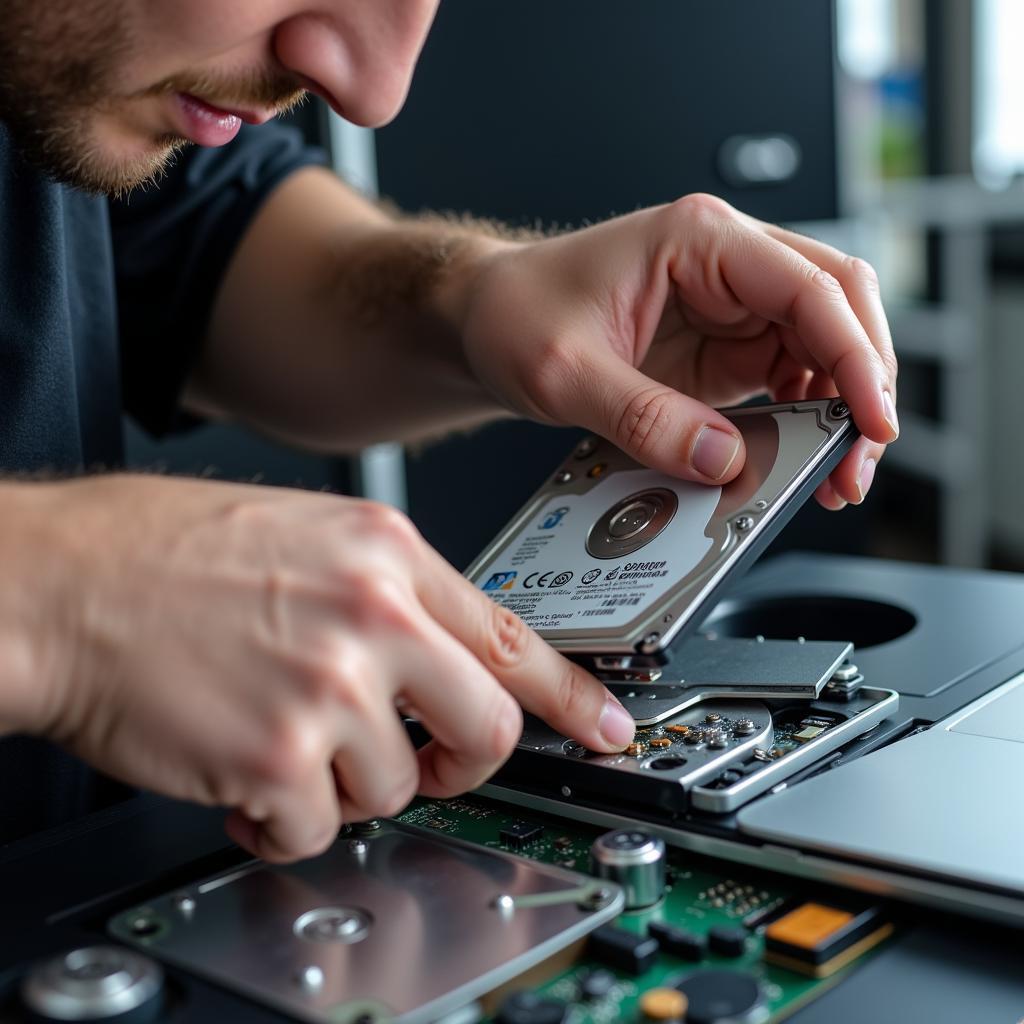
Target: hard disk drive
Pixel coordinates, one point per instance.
(616, 566)
(612, 562)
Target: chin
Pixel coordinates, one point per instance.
(115, 175)
(116, 166)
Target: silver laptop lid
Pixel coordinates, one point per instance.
(946, 802)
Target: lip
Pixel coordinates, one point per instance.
(209, 125)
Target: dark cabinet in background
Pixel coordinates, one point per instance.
(562, 111)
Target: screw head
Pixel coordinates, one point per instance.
(585, 447)
(310, 978)
(744, 523)
(839, 410)
(563, 476)
(184, 904)
(144, 926)
(596, 899)
(651, 639)
(846, 673)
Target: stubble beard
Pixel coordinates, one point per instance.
(59, 64)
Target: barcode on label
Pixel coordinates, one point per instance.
(612, 602)
(597, 611)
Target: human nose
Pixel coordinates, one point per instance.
(360, 59)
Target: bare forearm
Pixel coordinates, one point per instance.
(338, 324)
(30, 617)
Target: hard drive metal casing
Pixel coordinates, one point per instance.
(401, 924)
(612, 563)
(714, 755)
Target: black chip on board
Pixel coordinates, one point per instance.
(727, 941)
(625, 951)
(516, 835)
(678, 942)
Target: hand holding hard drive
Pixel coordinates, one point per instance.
(636, 327)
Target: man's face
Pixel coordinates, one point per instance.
(100, 93)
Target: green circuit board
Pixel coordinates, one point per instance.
(701, 893)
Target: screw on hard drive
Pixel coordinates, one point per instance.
(651, 640)
(839, 410)
(563, 476)
(310, 978)
(744, 523)
(597, 899)
(185, 904)
(144, 926)
(504, 903)
(846, 673)
(585, 447)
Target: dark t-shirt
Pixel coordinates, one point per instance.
(102, 308)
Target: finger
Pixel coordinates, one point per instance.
(289, 823)
(794, 389)
(820, 386)
(787, 379)
(726, 370)
(827, 497)
(446, 772)
(859, 281)
(655, 424)
(474, 722)
(375, 768)
(569, 699)
(852, 478)
(782, 285)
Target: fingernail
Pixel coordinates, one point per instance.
(889, 409)
(867, 474)
(616, 724)
(713, 452)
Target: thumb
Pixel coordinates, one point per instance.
(660, 427)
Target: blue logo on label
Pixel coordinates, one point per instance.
(554, 517)
(501, 581)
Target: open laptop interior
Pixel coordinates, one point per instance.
(847, 720)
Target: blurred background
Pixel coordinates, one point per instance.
(893, 129)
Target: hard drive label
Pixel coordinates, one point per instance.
(549, 579)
